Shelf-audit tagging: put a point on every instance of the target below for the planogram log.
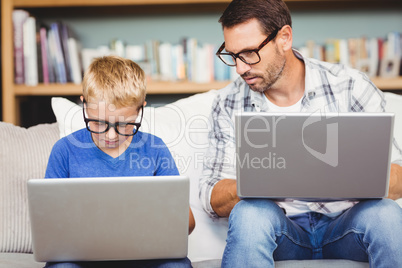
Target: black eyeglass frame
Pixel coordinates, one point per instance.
(237, 55)
(113, 125)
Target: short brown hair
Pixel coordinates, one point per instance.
(116, 80)
(272, 14)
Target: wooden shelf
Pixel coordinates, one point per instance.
(388, 83)
(71, 89)
(78, 3)
(81, 3)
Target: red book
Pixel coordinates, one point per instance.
(44, 49)
(380, 54)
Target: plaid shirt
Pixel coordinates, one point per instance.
(328, 87)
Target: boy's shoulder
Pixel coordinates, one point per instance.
(147, 139)
(78, 137)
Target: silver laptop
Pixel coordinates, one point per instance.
(332, 156)
(114, 218)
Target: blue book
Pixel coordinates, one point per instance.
(64, 35)
(60, 66)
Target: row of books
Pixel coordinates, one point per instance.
(51, 54)
(187, 60)
(44, 54)
(374, 56)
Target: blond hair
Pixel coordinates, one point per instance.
(116, 80)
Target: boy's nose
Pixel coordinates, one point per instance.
(111, 133)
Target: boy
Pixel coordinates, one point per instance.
(114, 92)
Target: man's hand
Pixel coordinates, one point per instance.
(191, 222)
(224, 197)
(395, 182)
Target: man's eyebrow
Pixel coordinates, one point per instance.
(243, 50)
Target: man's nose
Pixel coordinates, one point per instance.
(241, 67)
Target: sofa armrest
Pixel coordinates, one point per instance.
(24, 155)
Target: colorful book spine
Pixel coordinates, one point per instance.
(39, 52)
(19, 16)
(165, 62)
(60, 65)
(44, 50)
(64, 37)
(76, 71)
(30, 52)
(52, 56)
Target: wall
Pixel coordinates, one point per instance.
(316, 25)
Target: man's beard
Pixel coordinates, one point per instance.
(271, 75)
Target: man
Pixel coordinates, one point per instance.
(276, 78)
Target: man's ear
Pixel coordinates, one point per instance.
(285, 38)
(82, 98)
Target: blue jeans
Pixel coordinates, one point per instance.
(260, 232)
(171, 263)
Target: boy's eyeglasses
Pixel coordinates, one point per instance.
(249, 57)
(122, 128)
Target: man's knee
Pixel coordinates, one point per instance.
(379, 208)
(252, 211)
(252, 206)
(384, 212)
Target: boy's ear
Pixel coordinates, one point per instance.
(82, 98)
(145, 103)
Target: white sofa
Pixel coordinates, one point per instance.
(183, 125)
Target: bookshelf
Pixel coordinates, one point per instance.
(11, 93)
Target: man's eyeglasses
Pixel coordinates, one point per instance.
(122, 128)
(249, 57)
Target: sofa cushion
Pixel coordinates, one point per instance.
(24, 154)
(19, 260)
(68, 115)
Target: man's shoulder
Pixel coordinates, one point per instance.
(236, 90)
(334, 70)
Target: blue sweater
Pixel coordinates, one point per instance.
(77, 156)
